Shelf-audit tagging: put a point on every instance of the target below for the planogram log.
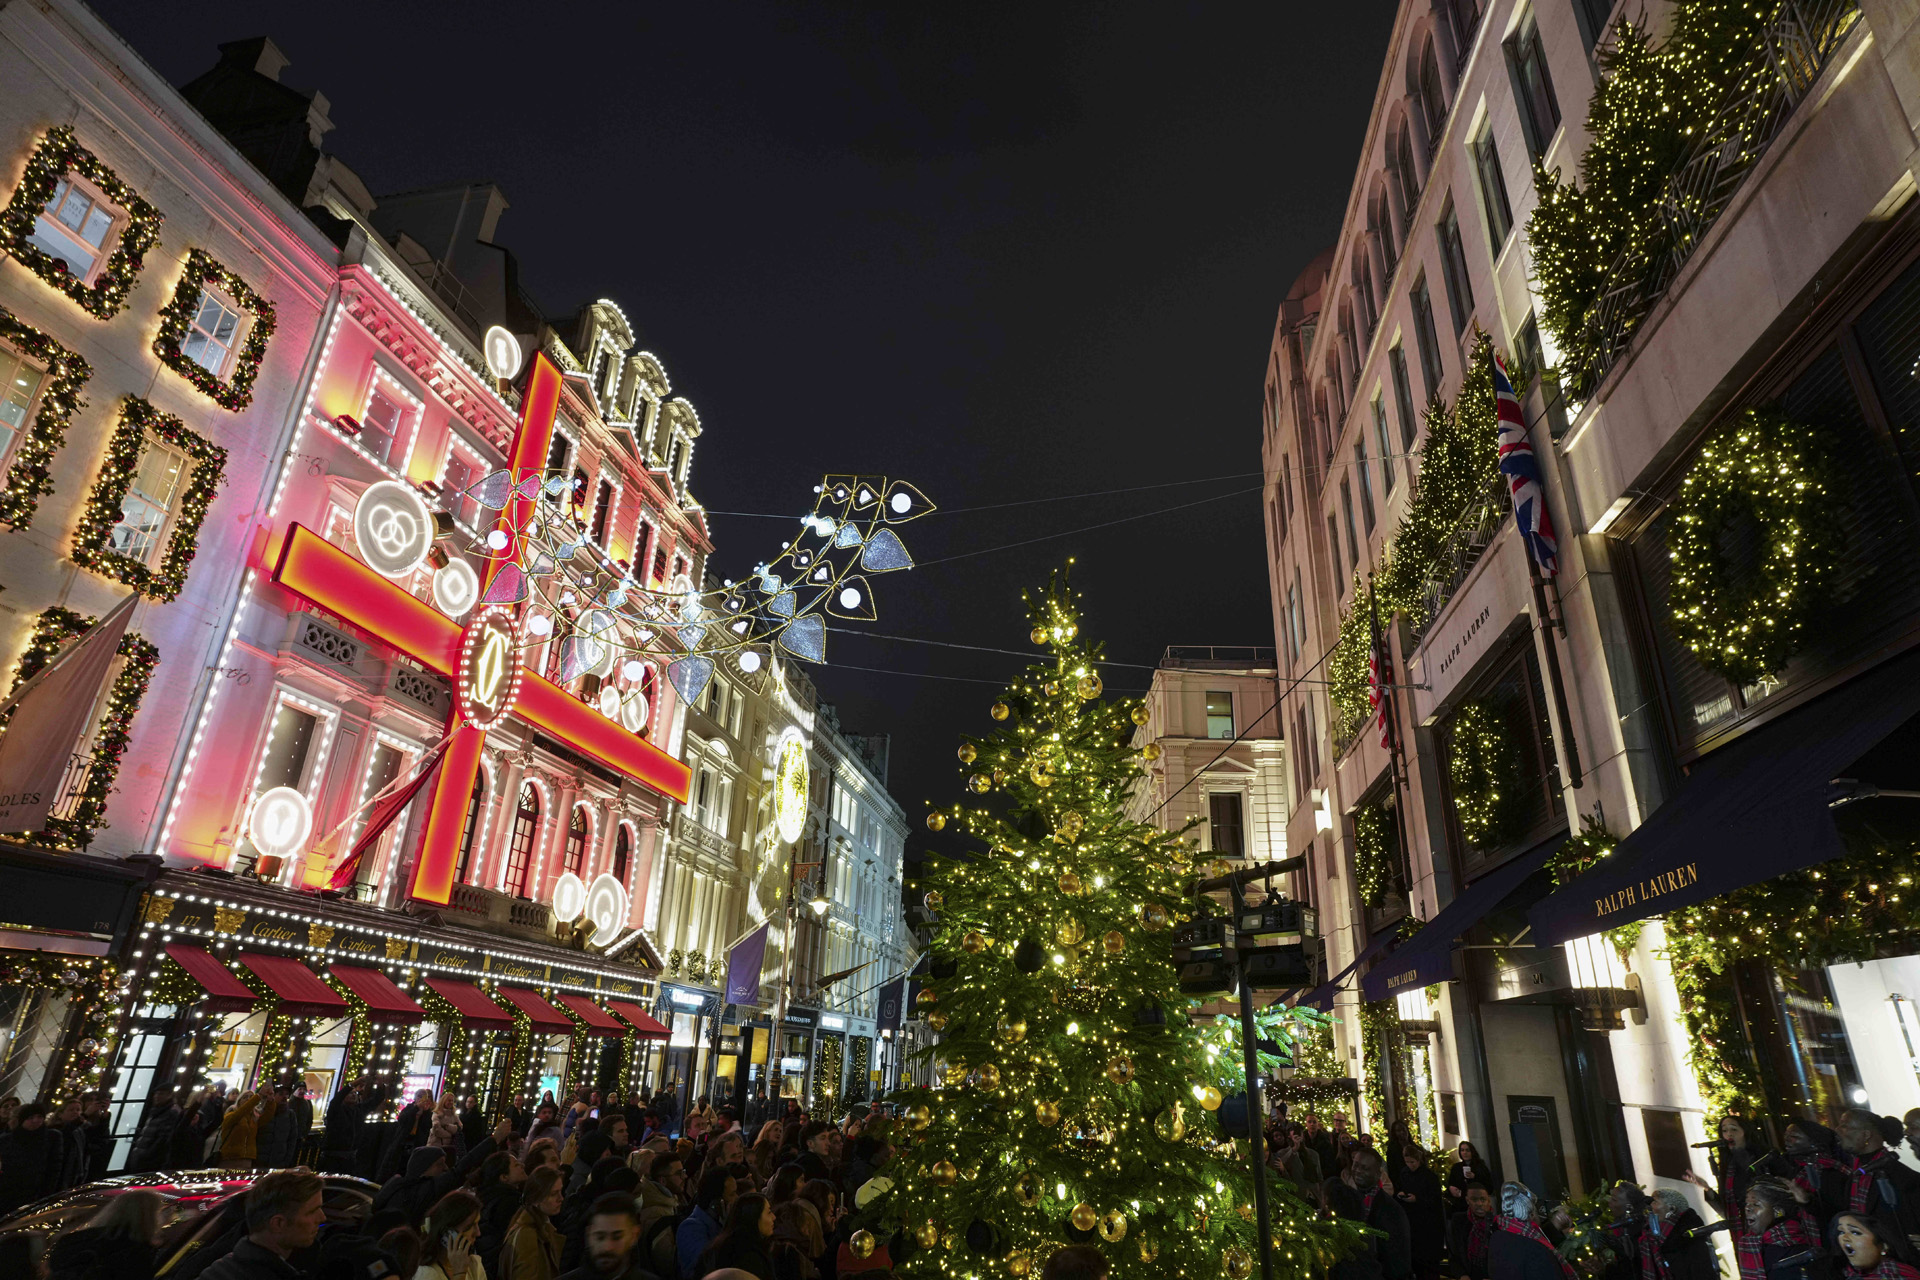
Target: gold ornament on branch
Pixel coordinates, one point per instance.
(1051, 688)
(1018, 1263)
(1069, 932)
(1115, 942)
(934, 900)
(1236, 1262)
(1120, 1068)
(1169, 1125)
(861, 1243)
(927, 1233)
(1047, 1113)
(1090, 687)
(1113, 1227)
(1010, 1029)
(1000, 711)
(1041, 773)
(999, 777)
(927, 998)
(1026, 1189)
(944, 1174)
(1072, 823)
(968, 753)
(1070, 884)
(973, 942)
(1084, 1217)
(989, 1076)
(918, 1118)
(936, 821)
(970, 1174)
(1149, 1249)
(1151, 751)
(980, 783)
(1153, 917)
(1039, 635)
(937, 1020)
(1209, 1097)
(1141, 716)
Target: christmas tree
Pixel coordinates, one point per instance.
(1076, 1101)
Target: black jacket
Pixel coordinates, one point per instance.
(1389, 1254)
(1512, 1257)
(414, 1196)
(32, 1163)
(1893, 1200)
(344, 1119)
(1459, 1237)
(1418, 1191)
(1463, 1173)
(153, 1145)
(96, 1255)
(1686, 1250)
(250, 1261)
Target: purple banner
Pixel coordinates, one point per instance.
(744, 963)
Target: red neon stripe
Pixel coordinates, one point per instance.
(313, 567)
(547, 706)
(439, 855)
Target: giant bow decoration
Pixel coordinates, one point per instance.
(603, 611)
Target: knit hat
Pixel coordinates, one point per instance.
(423, 1159)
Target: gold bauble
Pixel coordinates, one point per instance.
(1141, 716)
(937, 1020)
(919, 1118)
(1120, 1068)
(1236, 1262)
(927, 1233)
(989, 1076)
(1246, 1212)
(947, 1240)
(956, 1074)
(1018, 1263)
(1084, 1217)
(999, 777)
(1169, 1125)
(862, 1244)
(1090, 686)
(944, 1174)
(1047, 1113)
(1039, 635)
(970, 1174)
(1115, 942)
(1051, 688)
(1041, 773)
(999, 711)
(973, 942)
(928, 997)
(934, 900)
(1209, 1098)
(1070, 884)
(1069, 932)
(968, 753)
(980, 783)
(936, 821)
(1026, 1189)
(1151, 751)
(1153, 917)
(1113, 1227)
(1072, 823)
(1011, 1030)
(1219, 867)
(1149, 1249)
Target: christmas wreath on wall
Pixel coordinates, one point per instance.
(52, 629)
(176, 318)
(1763, 483)
(93, 539)
(1483, 766)
(29, 478)
(58, 155)
(1372, 852)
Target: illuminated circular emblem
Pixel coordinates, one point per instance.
(455, 587)
(489, 674)
(280, 822)
(606, 909)
(503, 353)
(569, 898)
(393, 528)
(790, 786)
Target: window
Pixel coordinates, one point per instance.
(1593, 15)
(1530, 803)
(1299, 614)
(1219, 713)
(1225, 830)
(1493, 189)
(1433, 97)
(19, 385)
(470, 827)
(1427, 336)
(1463, 19)
(1526, 346)
(1453, 259)
(74, 227)
(1286, 482)
(577, 840)
(1402, 402)
(526, 830)
(381, 427)
(676, 460)
(1363, 286)
(1380, 225)
(213, 334)
(1532, 87)
(1346, 509)
(1407, 178)
(1333, 556)
(1286, 624)
(459, 475)
(660, 564)
(149, 501)
(1366, 481)
(578, 492)
(388, 760)
(289, 743)
(602, 512)
(622, 852)
(559, 451)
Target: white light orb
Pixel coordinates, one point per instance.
(280, 822)
(607, 907)
(569, 898)
(750, 662)
(850, 597)
(503, 353)
(609, 702)
(900, 503)
(455, 588)
(540, 624)
(392, 528)
(497, 540)
(633, 669)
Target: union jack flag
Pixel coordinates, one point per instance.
(1379, 676)
(1522, 471)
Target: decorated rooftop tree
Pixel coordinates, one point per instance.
(1076, 1102)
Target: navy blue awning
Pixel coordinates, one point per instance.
(1753, 810)
(1321, 997)
(1427, 957)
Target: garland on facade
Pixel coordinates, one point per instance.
(1762, 478)
(91, 988)
(30, 478)
(1372, 851)
(859, 1065)
(459, 1036)
(51, 629)
(176, 318)
(631, 1063)
(1483, 767)
(582, 1063)
(172, 984)
(93, 538)
(826, 1080)
(1379, 1027)
(1579, 855)
(59, 154)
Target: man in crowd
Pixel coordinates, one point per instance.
(546, 1124)
(346, 1116)
(283, 1217)
(427, 1177)
(1877, 1184)
(1358, 1196)
(1470, 1235)
(1519, 1249)
(93, 1110)
(613, 1231)
(817, 1150)
(663, 1192)
(1320, 1141)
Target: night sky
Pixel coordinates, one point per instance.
(1004, 252)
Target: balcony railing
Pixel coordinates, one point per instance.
(1470, 539)
(1800, 41)
(1217, 657)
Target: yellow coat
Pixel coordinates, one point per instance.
(240, 1128)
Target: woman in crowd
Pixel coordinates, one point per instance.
(1470, 1168)
(1417, 1188)
(764, 1158)
(801, 1244)
(452, 1229)
(745, 1242)
(531, 1250)
(240, 1132)
(116, 1244)
(498, 1182)
(1737, 1161)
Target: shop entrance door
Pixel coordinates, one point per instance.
(1533, 1121)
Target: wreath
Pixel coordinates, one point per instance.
(1754, 545)
(1483, 767)
(1372, 838)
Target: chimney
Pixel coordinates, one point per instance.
(259, 55)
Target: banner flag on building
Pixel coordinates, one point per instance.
(385, 810)
(1379, 676)
(50, 712)
(892, 1003)
(1522, 470)
(745, 959)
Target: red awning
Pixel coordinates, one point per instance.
(471, 1003)
(302, 995)
(598, 1023)
(225, 993)
(385, 1002)
(644, 1023)
(545, 1016)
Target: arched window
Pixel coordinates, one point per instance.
(526, 830)
(470, 829)
(1400, 159)
(1433, 96)
(1380, 226)
(622, 853)
(577, 840)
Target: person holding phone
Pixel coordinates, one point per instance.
(452, 1230)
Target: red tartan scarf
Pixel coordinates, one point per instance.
(1889, 1269)
(1479, 1236)
(1531, 1231)
(1861, 1178)
(1787, 1233)
(1652, 1265)
(1811, 1167)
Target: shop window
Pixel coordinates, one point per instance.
(1226, 830)
(149, 501)
(74, 227)
(526, 832)
(1500, 777)
(212, 333)
(577, 840)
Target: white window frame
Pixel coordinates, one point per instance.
(613, 508)
(172, 508)
(409, 757)
(32, 409)
(377, 375)
(243, 324)
(474, 454)
(109, 241)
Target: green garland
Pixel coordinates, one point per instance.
(440, 1010)
(92, 537)
(56, 156)
(1373, 839)
(1379, 1029)
(51, 629)
(30, 478)
(827, 1103)
(1766, 477)
(91, 987)
(176, 317)
(859, 1065)
(1483, 767)
(1580, 854)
